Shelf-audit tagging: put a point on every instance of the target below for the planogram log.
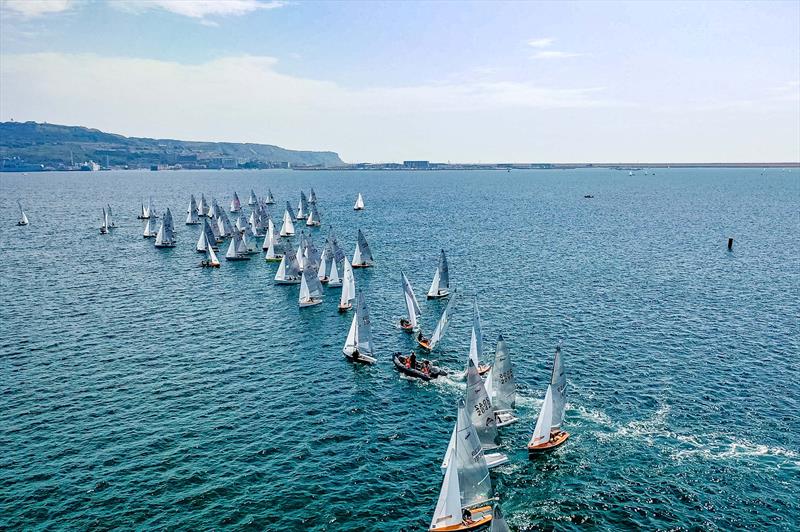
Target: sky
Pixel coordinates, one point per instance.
(441, 81)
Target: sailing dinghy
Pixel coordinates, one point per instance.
(302, 207)
(237, 249)
(270, 198)
(348, 288)
(236, 205)
(310, 289)
(165, 238)
(202, 206)
(191, 213)
(110, 222)
(412, 306)
(289, 270)
(23, 218)
(148, 229)
(314, 219)
(465, 498)
(143, 213)
(492, 459)
(429, 344)
(252, 200)
(312, 198)
(359, 205)
(206, 239)
(287, 229)
(358, 346)
(547, 434)
(211, 258)
(272, 241)
(501, 387)
(104, 225)
(362, 258)
(440, 286)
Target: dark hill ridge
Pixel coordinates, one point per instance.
(57, 146)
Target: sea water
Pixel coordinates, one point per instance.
(138, 390)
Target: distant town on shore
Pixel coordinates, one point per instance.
(34, 147)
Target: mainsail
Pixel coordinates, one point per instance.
(287, 229)
(253, 199)
(362, 255)
(448, 507)
(502, 378)
(236, 205)
(302, 207)
(473, 473)
(441, 326)
(270, 198)
(348, 285)
(191, 212)
(541, 433)
(498, 521)
(441, 278)
(359, 205)
(364, 333)
(202, 207)
(558, 382)
(412, 306)
(480, 408)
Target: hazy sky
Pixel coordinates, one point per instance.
(457, 81)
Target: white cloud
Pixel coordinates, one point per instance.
(199, 9)
(555, 54)
(36, 8)
(543, 42)
(247, 99)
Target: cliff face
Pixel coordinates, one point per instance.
(57, 145)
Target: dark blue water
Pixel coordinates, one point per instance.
(138, 390)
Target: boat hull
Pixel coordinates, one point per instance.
(276, 259)
(310, 303)
(480, 524)
(362, 265)
(335, 284)
(504, 419)
(362, 359)
(165, 245)
(235, 259)
(555, 441)
(442, 294)
(425, 345)
(345, 308)
(288, 281)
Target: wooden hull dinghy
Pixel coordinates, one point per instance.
(481, 524)
(416, 372)
(424, 343)
(557, 439)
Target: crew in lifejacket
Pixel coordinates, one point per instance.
(404, 323)
(412, 360)
(466, 516)
(426, 368)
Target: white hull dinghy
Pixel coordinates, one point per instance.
(237, 249)
(287, 229)
(310, 289)
(412, 306)
(359, 205)
(440, 286)
(289, 270)
(501, 386)
(362, 258)
(480, 409)
(358, 346)
(302, 207)
(165, 238)
(191, 213)
(348, 288)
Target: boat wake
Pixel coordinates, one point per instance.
(731, 450)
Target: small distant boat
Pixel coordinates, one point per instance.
(412, 306)
(165, 238)
(429, 344)
(253, 199)
(111, 224)
(476, 340)
(202, 206)
(226, 229)
(23, 218)
(206, 239)
(148, 229)
(314, 219)
(358, 346)
(302, 207)
(104, 226)
(492, 459)
(418, 369)
(312, 197)
(362, 258)
(211, 259)
(359, 205)
(336, 258)
(270, 198)
(547, 434)
(236, 205)
(440, 286)
(289, 269)
(212, 209)
(191, 212)
(466, 496)
(287, 229)
(144, 213)
(322, 272)
(151, 209)
(501, 386)
(333, 273)
(630, 173)
(588, 196)
(237, 249)
(348, 287)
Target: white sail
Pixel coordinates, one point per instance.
(23, 218)
(191, 216)
(231, 253)
(202, 206)
(364, 333)
(348, 284)
(350, 342)
(480, 408)
(412, 306)
(441, 326)
(323, 266)
(541, 434)
(212, 257)
(253, 199)
(160, 237)
(473, 474)
(270, 198)
(148, 231)
(502, 378)
(241, 246)
(109, 218)
(433, 291)
(359, 205)
(287, 229)
(104, 224)
(558, 382)
(448, 508)
(476, 339)
(304, 293)
(333, 275)
(268, 236)
(235, 203)
(280, 275)
(357, 255)
(202, 242)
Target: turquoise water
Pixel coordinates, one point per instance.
(138, 390)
